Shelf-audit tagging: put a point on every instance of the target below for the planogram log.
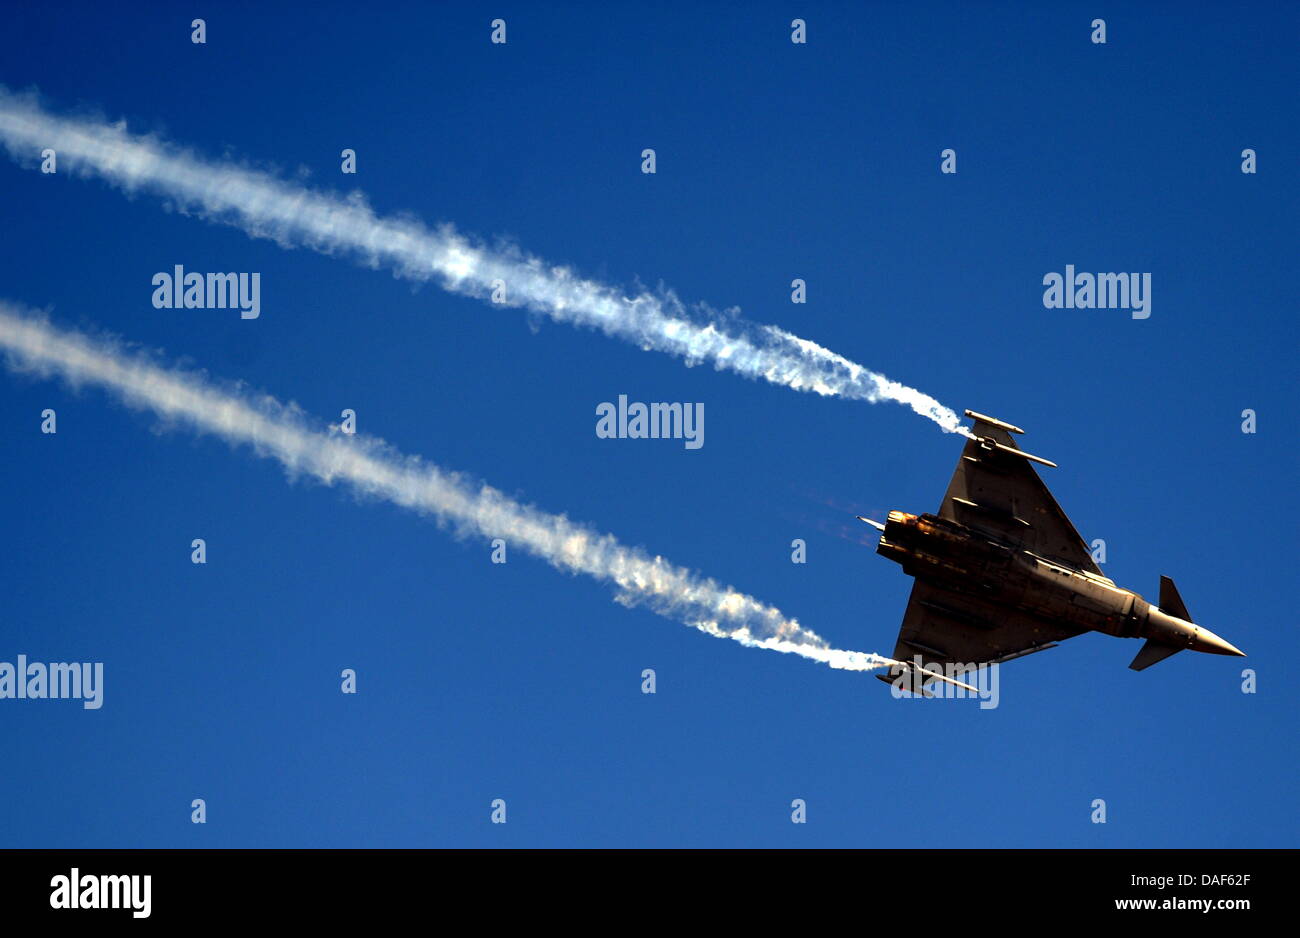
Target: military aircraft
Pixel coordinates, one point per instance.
(1001, 573)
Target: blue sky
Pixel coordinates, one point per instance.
(775, 161)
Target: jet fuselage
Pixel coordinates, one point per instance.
(965, 562)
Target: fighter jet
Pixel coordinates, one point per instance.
(1001, 573)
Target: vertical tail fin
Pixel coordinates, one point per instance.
(1171, 602)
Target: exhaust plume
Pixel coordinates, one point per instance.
(373, 468)
(264, 206)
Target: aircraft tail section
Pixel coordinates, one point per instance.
(1171, 602)
(1153, 652)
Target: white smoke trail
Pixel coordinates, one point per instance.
(371, 467)
(293, 216)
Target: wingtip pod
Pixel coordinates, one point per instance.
(993, 421)
(875, 524)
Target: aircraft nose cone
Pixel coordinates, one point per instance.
(1207, 641)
